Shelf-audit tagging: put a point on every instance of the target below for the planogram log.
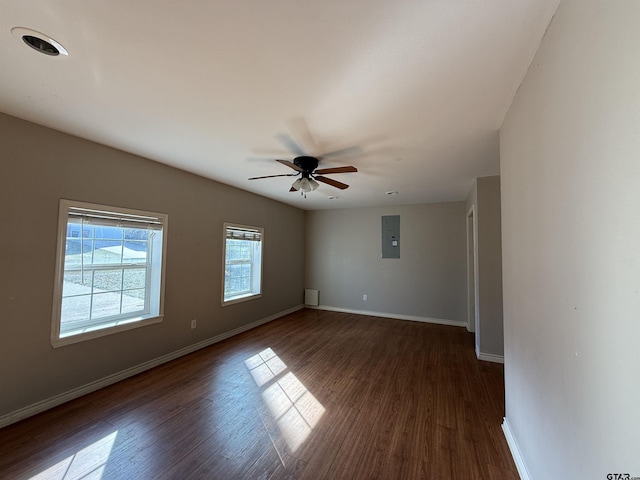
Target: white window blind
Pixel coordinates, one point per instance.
(243, 233)
(113, 219)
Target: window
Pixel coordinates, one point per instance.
(109, 271)
(242, 263)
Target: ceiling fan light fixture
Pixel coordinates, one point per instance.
(304, 185)
(308, 184)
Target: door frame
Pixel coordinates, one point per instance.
(473, 324)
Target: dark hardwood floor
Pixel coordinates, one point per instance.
(313, 395)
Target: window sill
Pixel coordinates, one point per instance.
(241, 298)
(88, 333)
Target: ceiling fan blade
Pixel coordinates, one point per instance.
(348, 169)
(290, 144)
(300, 131)
(290, 165)
(332, 182)
(271, 176)
(342, 152)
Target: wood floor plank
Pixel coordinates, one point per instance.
(313, 395)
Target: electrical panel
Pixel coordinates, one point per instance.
(391, 236)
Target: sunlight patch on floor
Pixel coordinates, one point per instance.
(86, 464)
(295, 410)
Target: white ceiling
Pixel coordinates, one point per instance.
(420, 87)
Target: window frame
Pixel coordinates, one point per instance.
(255, 292)
(154, 281)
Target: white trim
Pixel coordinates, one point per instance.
(490, 357)
(413, 318)
(241, 298)
(59, 399)
(515, 451)
(104, 329)
(476, 291)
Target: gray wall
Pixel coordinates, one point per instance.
(38, 167)
(570, 168)
(485, 195)
(343, 261)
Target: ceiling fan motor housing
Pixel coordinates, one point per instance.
(308, 164)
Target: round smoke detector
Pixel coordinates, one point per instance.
(39, 41)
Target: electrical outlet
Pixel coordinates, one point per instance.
(193, 323)
(364, 297)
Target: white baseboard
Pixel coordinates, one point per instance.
(412, 318)
(490, 357)
(515, 451)
(59, 399)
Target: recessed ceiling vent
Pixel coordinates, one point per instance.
(39, 41)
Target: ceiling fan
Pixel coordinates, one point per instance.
(306, 166)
